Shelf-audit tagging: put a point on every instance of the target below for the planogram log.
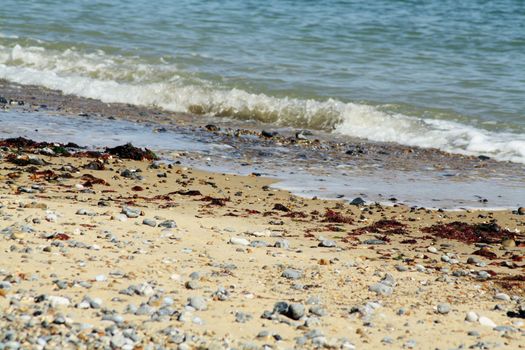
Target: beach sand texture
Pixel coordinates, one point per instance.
(105, 252)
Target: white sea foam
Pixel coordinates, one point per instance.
(132, 80)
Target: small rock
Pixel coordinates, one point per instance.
(487, 322)
(443, 308)
(198, 303)
(239, 241)
(295, 311)
(168, 224)
(358, 201)
(131, 213)
(193, 284)
(326, 243)
(56, 301)
(471, 316)
(149, 222)
(432, 250)
(381, 289)
(502, 296)
(282, 243)
(292, 274)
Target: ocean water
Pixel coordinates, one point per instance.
(445, 74)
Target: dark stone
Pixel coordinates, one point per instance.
(358, 201)
(269, 134)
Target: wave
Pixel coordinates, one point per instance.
(156, 82)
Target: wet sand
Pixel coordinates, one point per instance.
(100, 251)
(326, 165)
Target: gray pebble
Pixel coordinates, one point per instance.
(149, 222)
(168, 224)
(197, 302)
(282, 243)
(192, 284)
(326, 243)
(130, 212)
(381, 289)
(295, 311)
(292, 274)
(443, 308)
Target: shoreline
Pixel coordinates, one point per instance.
(105, 251)
(261, 148)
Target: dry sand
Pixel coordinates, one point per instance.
(235, 239)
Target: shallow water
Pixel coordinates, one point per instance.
(442, 74)
(298, 171)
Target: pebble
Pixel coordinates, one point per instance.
(358, 201)
(381, 289)
(401, 268)
(502, 296)
(432, 250)
(168, 224)
(130, 212)
(506, 329)
(100, 278)
(471, 316)
(473, 260)
(326, 243)
(52, 217)
(295, 311)
(374, 242)
(443, 308)
(56, 301)
(292, 274)
(241, 317)
(198, 303)
(239, 241)
(487, 322)
(410, 344)
(483, 275)
(193, 284)
(282, 243)
(318, 310)
(149, 222)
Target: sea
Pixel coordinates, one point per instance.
(438, 73)
(443, 74)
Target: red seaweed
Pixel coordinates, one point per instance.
(470, 233)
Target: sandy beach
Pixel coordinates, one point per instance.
(262, 175)
(101, 251)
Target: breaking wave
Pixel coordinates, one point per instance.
(158, 82)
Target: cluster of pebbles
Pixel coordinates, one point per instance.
(100, 251)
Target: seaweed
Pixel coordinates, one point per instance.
(91, 180)
(128, 151)
(295, 215)
(470, 233)
(384, 227)
(221, 202)
(335, 217)
(280, 207)
(485, 252)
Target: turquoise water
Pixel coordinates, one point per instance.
(445, 74)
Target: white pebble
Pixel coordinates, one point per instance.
(100, 278)
(485, 321)
(471, 316)
(56, 301)
(239, 241)
(502, 296)
(432, 250)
